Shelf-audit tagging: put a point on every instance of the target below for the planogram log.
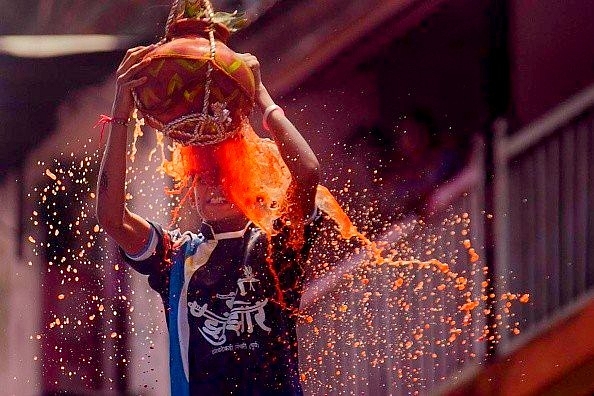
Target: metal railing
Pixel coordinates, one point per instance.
(543, 245)
(544, 195)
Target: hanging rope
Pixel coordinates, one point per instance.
(173, 15)
(206, 104)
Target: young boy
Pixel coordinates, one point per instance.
(230, 298)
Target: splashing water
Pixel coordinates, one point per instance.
(402, 316)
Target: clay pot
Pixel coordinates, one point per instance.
(176, 80)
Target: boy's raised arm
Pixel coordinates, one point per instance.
(295, 151)
(129, 230)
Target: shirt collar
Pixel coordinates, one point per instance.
(207, 231)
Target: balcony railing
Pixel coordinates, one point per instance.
(543, 242)
(544, 221)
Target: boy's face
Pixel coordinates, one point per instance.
(211, 201)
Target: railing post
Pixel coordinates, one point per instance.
(495, 185)
(500, 200)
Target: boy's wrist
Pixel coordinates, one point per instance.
(263, 98)
(122, 107)
(268, 112)
(120, 115)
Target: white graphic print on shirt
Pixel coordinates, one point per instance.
(238, 319)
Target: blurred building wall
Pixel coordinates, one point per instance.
(19, 301)
(551, 53)
(22, 360)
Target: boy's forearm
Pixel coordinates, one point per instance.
(112, 178)
(294, 149)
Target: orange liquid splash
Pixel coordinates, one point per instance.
(384, 279)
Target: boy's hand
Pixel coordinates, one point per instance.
(252, 62)
(132, 63)
(262, 97)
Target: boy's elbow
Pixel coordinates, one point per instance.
(107, 220)
(315, 165)
(103, 221)
(311, 172)
(309, 163)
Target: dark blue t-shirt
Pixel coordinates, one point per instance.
(231, 304)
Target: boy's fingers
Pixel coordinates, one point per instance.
(133, 55)
(133, 58)
(135, 83)
(135, 69)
